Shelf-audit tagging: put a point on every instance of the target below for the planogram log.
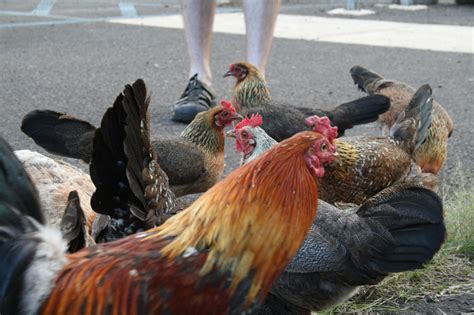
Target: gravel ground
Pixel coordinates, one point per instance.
(80, 68)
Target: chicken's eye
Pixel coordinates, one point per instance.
(244, 135)
(324, 146)
(224, 113)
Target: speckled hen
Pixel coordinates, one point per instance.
(366, 165)
(431, 155)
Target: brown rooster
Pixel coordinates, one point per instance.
(218, 256)
(193, 161)
(399, 229)
(430, 156)
(281, 121)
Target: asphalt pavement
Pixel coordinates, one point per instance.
(65, 55)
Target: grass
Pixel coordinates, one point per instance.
(451, 272)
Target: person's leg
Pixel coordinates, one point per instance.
(198, 18)
(260, 18)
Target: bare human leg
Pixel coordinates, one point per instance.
(198, 17)
(260, 19)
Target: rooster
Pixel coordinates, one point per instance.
(219, 255)
(117, 143)
(431, 155)
(281, 121)
(132, 191)
(399, 229)
(194, 161)
(363, 165)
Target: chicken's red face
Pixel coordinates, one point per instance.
(226, 115)
(321, 152)
(245, 141)
(237, 70)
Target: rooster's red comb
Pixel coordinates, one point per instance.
(323, 126)
(255, 120)
(228, 105)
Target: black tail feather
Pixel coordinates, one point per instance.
(124, 167)
(413, 217)
(147, 180)
(59, 133)
(361, 111)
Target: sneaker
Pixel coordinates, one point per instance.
(196, 98)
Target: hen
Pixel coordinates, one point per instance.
(366, 165)
(281, 121)
(398, 230)
(220, 255)
(54, 180)
(193, 161)
(431, 155)
(363, 165)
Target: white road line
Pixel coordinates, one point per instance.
(44, 7)
(47, 23)
(446, 38)
(128, 9)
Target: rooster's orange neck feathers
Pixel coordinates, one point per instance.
(254, 220)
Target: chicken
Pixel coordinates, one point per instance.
(74, 227)
(364, 165)
(281, 121)
(194, 161)
(54, 180)
(432, 154)
(399, 229)
(132, 191)
(219, 255)
(252, 140)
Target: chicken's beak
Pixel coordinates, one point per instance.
(230, 133)
(237, 116)
(229, 73)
